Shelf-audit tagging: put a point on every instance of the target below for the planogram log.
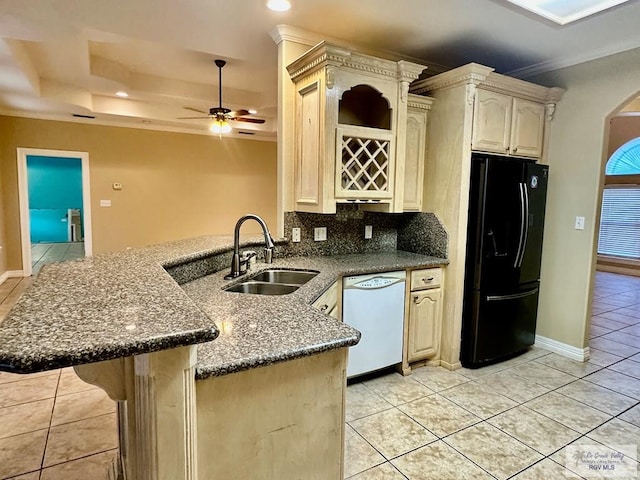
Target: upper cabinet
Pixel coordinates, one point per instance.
(415, 151)
(507, 125)
(351, 129)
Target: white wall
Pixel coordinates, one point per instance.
(578, 141)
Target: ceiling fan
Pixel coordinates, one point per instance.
(221, 115)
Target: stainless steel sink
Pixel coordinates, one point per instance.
(273, 282)
(291, 277)
(262, 288)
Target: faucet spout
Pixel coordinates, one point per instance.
(236, 269)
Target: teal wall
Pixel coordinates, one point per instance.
(55, 185)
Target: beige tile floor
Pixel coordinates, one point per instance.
(512, 420)
(508, 421)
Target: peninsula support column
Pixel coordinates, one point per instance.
(165, 415)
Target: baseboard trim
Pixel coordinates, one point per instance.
(564, 349)
(10, 274)
(450, 366)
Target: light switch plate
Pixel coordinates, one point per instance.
(320, 234)
(579, 223)
(368, 231)
(295, 235)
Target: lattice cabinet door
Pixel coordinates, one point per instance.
(365, 163)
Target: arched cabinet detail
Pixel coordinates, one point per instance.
(351, 129)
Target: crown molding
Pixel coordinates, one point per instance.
(328, 54)
(553, 65)
(473, 73)
(258, 135)
(419, 101)
(281, 33)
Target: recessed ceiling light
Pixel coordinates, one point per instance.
(279, 5)
(566, 11)
(252, 111)
(122, 94)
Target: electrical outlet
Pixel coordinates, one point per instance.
(105, 203)
(295, 235)
(368, 231)
(579, 223)
(320, 234)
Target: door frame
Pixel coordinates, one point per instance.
(23, 196)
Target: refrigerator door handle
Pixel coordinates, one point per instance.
(526, 222)
(493, 298)
(522, 226)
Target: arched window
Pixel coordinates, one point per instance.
(620, 215)
(625, 160)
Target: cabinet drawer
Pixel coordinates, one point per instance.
(428, 278)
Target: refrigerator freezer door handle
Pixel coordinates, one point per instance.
(526, 223)
(523, 221)
(493, 298)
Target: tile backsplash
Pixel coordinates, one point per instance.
(413, 232)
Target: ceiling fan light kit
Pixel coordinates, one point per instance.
(221, 115)
(279, 5)
(220, 127)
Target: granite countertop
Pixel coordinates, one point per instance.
(257, 330)
(125, 303)
(108, 306)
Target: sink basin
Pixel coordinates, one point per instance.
(291, 277)
(262, 288)
(273, 282)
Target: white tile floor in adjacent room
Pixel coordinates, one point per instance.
(44, 253)
(510, 420)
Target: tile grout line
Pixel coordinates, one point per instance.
(46, 443)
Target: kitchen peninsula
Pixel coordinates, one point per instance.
(153, 328)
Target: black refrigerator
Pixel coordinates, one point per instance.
(504, 246)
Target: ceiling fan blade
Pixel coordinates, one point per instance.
(195, 110)
(190, 118)
(239, 113)
(248, 120)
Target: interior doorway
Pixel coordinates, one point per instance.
(55, 206)
(614, 326)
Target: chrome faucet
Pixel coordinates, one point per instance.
(236, 263)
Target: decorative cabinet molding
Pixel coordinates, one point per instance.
(507, 125)
(350, 129)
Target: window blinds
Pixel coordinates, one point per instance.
(620, 222)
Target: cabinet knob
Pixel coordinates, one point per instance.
(415, 299)
(324, 308)
(506, 149)
(515, 150)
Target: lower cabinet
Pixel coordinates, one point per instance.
(425, 321)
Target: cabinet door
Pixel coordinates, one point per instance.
(414, 159)
(491, 122)
(527, 128)
(308, 182)
(425, 322)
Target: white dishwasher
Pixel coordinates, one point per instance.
(374, 305)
